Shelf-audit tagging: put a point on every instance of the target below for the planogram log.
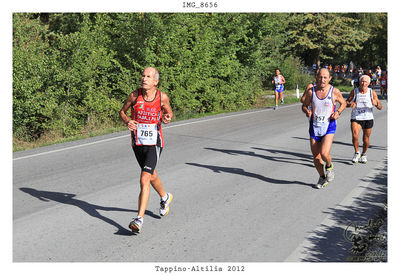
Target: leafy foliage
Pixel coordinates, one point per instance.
(73, 71)
(325, 35)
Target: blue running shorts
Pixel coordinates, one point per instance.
(279, 88)
(331, 130)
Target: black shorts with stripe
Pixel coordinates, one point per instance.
(147, 157)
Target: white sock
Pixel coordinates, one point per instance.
(165, 197)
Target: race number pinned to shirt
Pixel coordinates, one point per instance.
(320, 120)
(146, 134)
(321, 124)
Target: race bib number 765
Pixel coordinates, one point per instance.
(146, 134)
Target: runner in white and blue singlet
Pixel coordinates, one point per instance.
(321, 123)
(278, 81)
(323, 115)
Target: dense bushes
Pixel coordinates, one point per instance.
(73, 71)
(64, 81)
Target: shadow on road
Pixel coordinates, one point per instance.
(239, 171)
(304, 158)
(90, 209)
(382, 148)
(355, 236)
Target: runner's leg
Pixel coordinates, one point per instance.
(366, 135)
(144, 192)
(315, 150)
(157, 185)
(326, 146)
(355, 130)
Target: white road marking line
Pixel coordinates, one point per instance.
(67, 148)
(164, 127)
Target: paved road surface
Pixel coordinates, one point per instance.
(242, 185)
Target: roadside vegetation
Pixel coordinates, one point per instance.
(73, 71)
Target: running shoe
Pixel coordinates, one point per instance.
(363, 159)
(330, 174)
(136, 225)
(164, 205)
(356, 157)
(322, 182)
(276, 107)
(282, 101)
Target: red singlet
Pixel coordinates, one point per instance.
(148, 114)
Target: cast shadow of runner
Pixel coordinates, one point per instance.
(342, 241)
(242, 172)
(90, 209)
(371, 146)
(300, 159)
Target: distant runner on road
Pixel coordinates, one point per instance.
(362, 100)
(323, 98)
(383, 82)
(149, 107)
(278, 80)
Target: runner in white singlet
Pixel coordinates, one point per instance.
(323, 115)
(321, 123)
(278, 81)
(362, 100)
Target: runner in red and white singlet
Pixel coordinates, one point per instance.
(149, 107)
(148, 115)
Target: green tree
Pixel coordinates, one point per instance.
(199, 56)
(90, 76)
(33, 105)
(72, 71)
(374, 49)
(324, 35)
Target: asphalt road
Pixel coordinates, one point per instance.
(242, 185)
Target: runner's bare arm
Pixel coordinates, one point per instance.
(303, 97)
(338, 97)
(375, 101)
(349, 100)
(132, 125)
(307, 101)
(166, 107)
